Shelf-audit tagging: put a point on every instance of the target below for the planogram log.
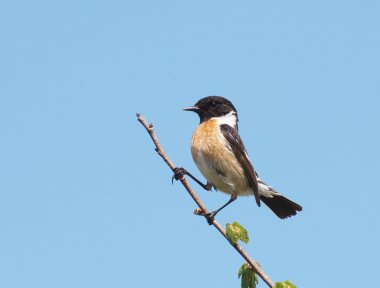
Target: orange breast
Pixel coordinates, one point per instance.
(206, 137)
(215, 160)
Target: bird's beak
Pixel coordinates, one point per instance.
(191, 108)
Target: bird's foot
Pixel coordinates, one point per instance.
(179, 172)
(210, 217)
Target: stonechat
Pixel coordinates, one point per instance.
(220, 155)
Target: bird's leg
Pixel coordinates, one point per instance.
(210, 216)
(179, 172)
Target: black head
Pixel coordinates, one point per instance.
(212, 106)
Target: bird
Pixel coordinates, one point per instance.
(220, 155)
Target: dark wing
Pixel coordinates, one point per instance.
(237, 147)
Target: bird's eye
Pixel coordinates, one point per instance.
(213, 104)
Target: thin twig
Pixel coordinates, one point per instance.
(254, 265)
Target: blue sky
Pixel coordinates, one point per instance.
(86, 202)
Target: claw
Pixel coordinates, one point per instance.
(179, 172)
(210, 217)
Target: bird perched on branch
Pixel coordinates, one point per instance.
(221, 157)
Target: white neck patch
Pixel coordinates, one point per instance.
(230, 119)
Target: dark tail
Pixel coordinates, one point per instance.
(281, 206)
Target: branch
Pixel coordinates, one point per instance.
(254, 265)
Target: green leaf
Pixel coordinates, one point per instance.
(286, 284)
(236, 232)
(249, 278)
